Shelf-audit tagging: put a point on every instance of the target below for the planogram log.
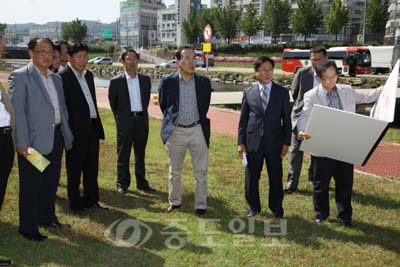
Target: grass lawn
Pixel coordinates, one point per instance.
(224, 238)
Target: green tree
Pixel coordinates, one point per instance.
(376, 17)
(74, 30)
(207, 16)
(307, 18)
(3, 26)
(250, 23)
(337, 17)
(191, 28)
(227, 21)
(274, 22)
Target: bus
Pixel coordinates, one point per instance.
(201, 58)
(349, 60)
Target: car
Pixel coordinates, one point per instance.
(167, 64)
(91, 61)
(104, 61)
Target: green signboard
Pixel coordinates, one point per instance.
(130, 4)
(106, 33)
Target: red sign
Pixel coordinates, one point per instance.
(207, 33)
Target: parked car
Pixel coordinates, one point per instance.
(91, 61)
(167, 64)
(104, 61)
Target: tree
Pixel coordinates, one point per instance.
(3, 26)
(307, 18)
(337, 17)
(376, 17)
(207, 16)
(250, 23)
(274, 22)
(74, 30)
(227, 21)
(191, 28)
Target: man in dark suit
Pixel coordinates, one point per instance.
(7, 130)
(41, 123)
(264, 134)
(184, 99)
(304, 80)
(85, 123)
(129, 96)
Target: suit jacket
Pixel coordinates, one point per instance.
(274, 123)
(34, 111)
(118, 95)
(303, 82)
(10, 110)
(348, 96)
(168, 99)
(77, 106)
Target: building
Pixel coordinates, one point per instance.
(138, 22)
(166, 26)
(183, 9)
(392, 31)
(51, 32)
(241, 4)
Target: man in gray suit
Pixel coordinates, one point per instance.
(304, 80)
(41, 123)
(343, 97)
(264, 135)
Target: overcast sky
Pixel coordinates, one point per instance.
(42, 11)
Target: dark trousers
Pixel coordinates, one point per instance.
(6, 162)
(37, 191)
(273, 162)
(343, 173)
(83, 160)
(132, 133)
(295, 162)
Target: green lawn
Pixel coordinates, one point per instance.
(224, 238)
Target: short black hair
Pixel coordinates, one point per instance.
(57, 47)
(33, 42)
(323, 66)
(261, 60)
(318, 49)
(125, 52)
(77, 47)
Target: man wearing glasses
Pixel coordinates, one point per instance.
(42, 124)
(342, 97)
(264, 134)
(129, 96)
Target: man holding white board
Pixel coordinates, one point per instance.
(341, 97)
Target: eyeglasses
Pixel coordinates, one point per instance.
(329, 78)
(44, 52)
(266, 70)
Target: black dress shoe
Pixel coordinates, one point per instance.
(4, 262)
(37, 237)
(289, 190)
(171, 208)
(77, 211)
(278, 216)
(147, 189)
(56, 224)
(200, 212)
(348, 222)
(97, 206)
(121, 190)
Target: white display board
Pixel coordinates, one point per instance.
(342, 135)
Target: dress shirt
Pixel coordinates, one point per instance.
(134, 92)
(188, 111)
(4, 114)
(85, 90)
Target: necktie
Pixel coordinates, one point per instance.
(264, 97)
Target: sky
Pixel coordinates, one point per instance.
(42, 11)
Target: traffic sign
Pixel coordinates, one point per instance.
(206, 47)
(207, 33)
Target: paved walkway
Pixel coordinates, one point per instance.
(384, 162)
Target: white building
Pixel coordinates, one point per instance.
(53, 33)
(166, 26)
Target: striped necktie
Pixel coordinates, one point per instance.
(264, 97)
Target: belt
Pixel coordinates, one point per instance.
(189, 125)
(5, 130)
(57, 126)
(136, 113)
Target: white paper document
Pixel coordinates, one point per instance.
(342, 135)
(244, 160)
